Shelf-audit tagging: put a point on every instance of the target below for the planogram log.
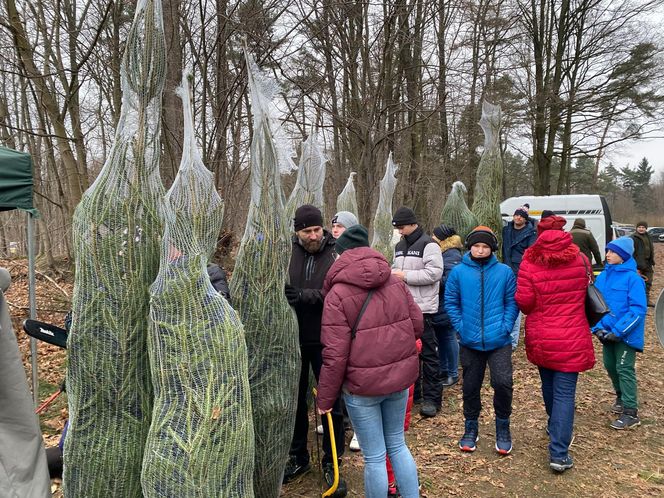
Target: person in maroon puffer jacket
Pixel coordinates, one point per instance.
(551, 290)
(375, 366)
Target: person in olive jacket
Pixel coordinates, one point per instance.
(585, 241)
(644, 255)
(370, 327)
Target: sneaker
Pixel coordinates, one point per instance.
(294, 469)
(627, 420)
(328, 474)
(319, 430)
(429, 409)
(561, 465)
(617, 407)
(470, 436)
(450, 381)
(354, 443)
(503, 436)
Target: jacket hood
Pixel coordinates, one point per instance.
(452, 242)
(552, 248)
(362, 267)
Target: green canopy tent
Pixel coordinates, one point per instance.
(16, 193)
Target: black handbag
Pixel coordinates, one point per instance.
(596, 306)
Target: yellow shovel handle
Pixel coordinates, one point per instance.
(335, 461)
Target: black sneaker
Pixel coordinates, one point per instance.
(561, 465)
(295, 469)
(468, 441)
(429, 409)
(503, 436)
(617, 407)
(627, 420)
(328, 474)
(450, 381)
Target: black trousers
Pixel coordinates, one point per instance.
(474, 366)
(312, 356)
(432, 379)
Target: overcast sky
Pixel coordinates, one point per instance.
(636, 150)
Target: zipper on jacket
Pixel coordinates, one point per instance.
(482, 304)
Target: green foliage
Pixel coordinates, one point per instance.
(347, 200)
(382, 224)
(637, 182)
(456, 213)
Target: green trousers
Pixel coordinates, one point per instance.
(619, 359)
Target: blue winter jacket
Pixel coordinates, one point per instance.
(451, 258)
(515, 243)
(479, 299)
(625, 293)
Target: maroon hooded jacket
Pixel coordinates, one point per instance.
(382, 359)
(551, 290)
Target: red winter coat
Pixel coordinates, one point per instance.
(551, 290)
(382, 359)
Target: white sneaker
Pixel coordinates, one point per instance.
(354, 444)
(319, 430)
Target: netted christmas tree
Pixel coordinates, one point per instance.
(201, 440)
(310, 177)
(382, 225)
(347, 200)
(456, 213)
(257, 288)
(117, 230)
(489, 178)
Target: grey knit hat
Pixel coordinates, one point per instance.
(345, 218)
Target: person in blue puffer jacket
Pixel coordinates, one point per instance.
(479, 299)
(621, 331)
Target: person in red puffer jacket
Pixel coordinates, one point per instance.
(551, 290)
(371, 357)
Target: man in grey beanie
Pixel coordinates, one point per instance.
(341, 221)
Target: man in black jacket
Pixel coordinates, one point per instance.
(313, 254)
(644, 255)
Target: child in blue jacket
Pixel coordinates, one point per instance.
(479, 299)
(621, 331)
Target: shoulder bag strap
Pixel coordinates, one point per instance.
(588, 274)
(353, 331)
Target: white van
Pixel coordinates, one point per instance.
(592, 208)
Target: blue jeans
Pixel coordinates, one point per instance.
(559, 393)
(378, 423)
(448, 351)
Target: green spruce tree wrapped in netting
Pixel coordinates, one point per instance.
(257, 288)
(117, 231)
(382, 225)
(347, 200)
(489, 178)
(456, 212)
(310, 177)
(201, 440)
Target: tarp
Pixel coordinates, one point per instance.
(23, 468)
(16, 181)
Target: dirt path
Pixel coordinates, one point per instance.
(607, 462)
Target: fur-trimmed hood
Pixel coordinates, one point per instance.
(452, 242)
(552, 248)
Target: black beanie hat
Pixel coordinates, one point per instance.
(482, 234)
(355, 236)
(307, 216)
(404, 216)
(443, 231)
(546, 213)
(642, 224)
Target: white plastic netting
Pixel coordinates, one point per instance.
(201, 440)
(117, 230)
(310, 177)
(347, 199)
(257, 288)
(456, 213)
(382, 225)
(489, 178)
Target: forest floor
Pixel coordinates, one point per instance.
(606, 462)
